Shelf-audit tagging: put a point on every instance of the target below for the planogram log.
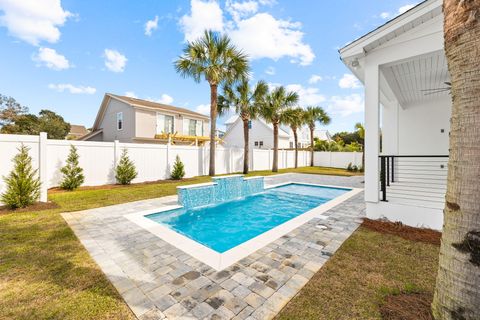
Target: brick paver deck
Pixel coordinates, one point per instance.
(159, 281)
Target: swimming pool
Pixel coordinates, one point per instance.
(223, 232)
(224, 226)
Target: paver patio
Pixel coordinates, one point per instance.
(159, 281)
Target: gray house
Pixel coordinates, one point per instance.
(129, 119)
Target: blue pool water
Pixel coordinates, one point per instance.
(226, 225)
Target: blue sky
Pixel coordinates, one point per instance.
(64, 55)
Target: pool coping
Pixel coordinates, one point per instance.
(220, 261)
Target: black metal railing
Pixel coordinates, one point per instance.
(388, 170)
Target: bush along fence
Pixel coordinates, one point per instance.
(152, 162)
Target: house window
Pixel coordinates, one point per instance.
(291, 145)
(119, 120)
(260, 143)
(256, 143)
(192, 127)
(165, 124)
(168, 124)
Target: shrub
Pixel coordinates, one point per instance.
(354, 168)
(349, 167)
(178, 169)
(72, 173)
(23, 185)
(125, 171)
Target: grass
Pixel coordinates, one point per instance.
(45, 273)
(368, 267)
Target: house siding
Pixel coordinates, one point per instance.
(258, 132)
(109, 122)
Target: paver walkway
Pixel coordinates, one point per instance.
(159, 281)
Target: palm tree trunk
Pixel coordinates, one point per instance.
(457, 292)
(275, 148)
(295, 138)
(246, 145)
(312, 144)
(213, 127)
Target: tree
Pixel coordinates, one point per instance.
(273, 108)
(53, 124)
(72, 172)
(313, 115)
(10, 109)
(246, 102)
(23, 124)
(295, 119)
(348, 137)
(457, 291)
(219, 62)
(125, 171)
(360, 130)
(178, 171)
(23, 184)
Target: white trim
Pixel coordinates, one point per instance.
(220, 261)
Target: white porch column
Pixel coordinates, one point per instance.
(372, 146)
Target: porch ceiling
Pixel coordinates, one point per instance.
(410, 80)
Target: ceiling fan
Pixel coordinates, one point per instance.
(448, 87)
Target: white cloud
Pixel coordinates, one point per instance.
(114, 60)
(346, 105)
(51, 59)
(203, 109)
(205, 15)
(61, 87)
(165, 99)
(270, 71)
(33, 21)
(308, 96)
(402, 9)
(151, 25)
(263, 36)
(259, 34)
(315, 78)
(130, 94)
(349, 81)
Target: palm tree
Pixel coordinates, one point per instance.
(246, 101)
(313, 115)
(273, 110)
(214, 58)
(360, 129)
(295, 119)
(457, 292)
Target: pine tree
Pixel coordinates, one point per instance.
(72, 172)
(178, 169)
(23, 185)
(125, 171)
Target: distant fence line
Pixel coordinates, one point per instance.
(153, 161)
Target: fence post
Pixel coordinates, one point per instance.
(42, 166)
(116, 153)
(167, 175)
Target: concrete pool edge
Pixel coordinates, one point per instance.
(220, 261)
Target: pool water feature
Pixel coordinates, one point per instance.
(225, 225)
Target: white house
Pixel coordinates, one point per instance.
(261, 135)
(404, 71)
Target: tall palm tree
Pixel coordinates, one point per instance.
(216, 59)
(273, 108)
(312, 116)
(295, 119)
(360, 129)
(246, 101)
(457, 292)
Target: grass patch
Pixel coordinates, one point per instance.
(45, 273)
(366, 274)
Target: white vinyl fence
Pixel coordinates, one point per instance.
(153, 161)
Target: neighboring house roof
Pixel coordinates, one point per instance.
(231, 120)
(91, 134)
(77, 130)
(323, 135)
(144, 104)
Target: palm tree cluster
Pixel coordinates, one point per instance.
(216, 59)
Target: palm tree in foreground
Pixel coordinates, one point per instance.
(312, 116)
(457, 292)
(273, 110)
(218, 61)
(360, 129)
(295, 119)
(245, 100)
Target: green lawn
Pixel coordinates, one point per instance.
(45, 273)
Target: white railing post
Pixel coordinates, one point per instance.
(42, 166)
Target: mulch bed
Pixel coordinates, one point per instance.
(39, 206)
(401, 230)
(411, 306)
